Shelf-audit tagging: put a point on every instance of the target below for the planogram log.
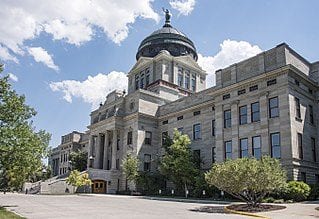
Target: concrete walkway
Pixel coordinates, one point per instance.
(117, 206)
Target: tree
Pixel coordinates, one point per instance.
(178, 163)
(248, 179)
(79, 160)
(130, 168)
(21, 147)
(77, 180)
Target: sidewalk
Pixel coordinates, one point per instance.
(188, 200)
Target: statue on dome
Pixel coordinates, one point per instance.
(168, 16)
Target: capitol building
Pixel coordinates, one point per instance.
(265, 105)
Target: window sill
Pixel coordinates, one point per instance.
(198, 139)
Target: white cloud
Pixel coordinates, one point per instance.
(185, 7)
(13, 77)
(6, 56)
(231, 51)
(93, 90)
(41, 55)
(72, 21)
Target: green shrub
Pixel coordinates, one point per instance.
(279, 201)
(269, 200)
(314, 193)
(298, 191)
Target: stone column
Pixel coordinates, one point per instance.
(114, 142)
(97, 152)
(106, 145)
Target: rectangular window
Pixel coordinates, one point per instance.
(117, 164)
(226, 96)
(240, 92)
(196, 157)
(227, 119)
(193, 82)
(313, 149)
(213, 127)
(147, 162)
(118, 143)
(148, 138)
(180, 77)
(244, 147)
(311, 114)
(196, 113)
(187, 80)
(164, 137)
(275, 145)
(180, 118)
(196, 132)
(181, 130)
(273, 107)
(228, 150)
(303, 177)
(317, 179)
(142, 81)
(253, 88)
(243, 115)
(300, 149)
(297, 82)
(165, 122)
(256, 147)
(136, 82)
(147, 79)
(298, 112)
(255, 114)
(213, 154)
(130, 137)
(310, 91)
(271, 82)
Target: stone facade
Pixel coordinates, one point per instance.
(259, 95)
(59, 158)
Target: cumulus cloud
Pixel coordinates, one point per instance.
(185, 7)
(72, 21)
(41, 55)
(13, 77)
(231, 51)
(6, 56)
(93, 90)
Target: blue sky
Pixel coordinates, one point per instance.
(65, 56)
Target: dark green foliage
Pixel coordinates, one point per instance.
(200, 185)
(79, 160)
(177, 163)
(297, 191)
(248, 179)
(314, 193)
(150, 183)
(21, 147)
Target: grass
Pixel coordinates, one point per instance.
(4, 214)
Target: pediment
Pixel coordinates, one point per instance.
(140, 63)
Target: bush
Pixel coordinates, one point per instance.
(298, 191)
(314, 193)
(247, 179)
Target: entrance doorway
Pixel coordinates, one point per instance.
(99, 186)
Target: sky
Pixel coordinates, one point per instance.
(65, 56)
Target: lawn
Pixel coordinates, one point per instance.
(4, 214)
